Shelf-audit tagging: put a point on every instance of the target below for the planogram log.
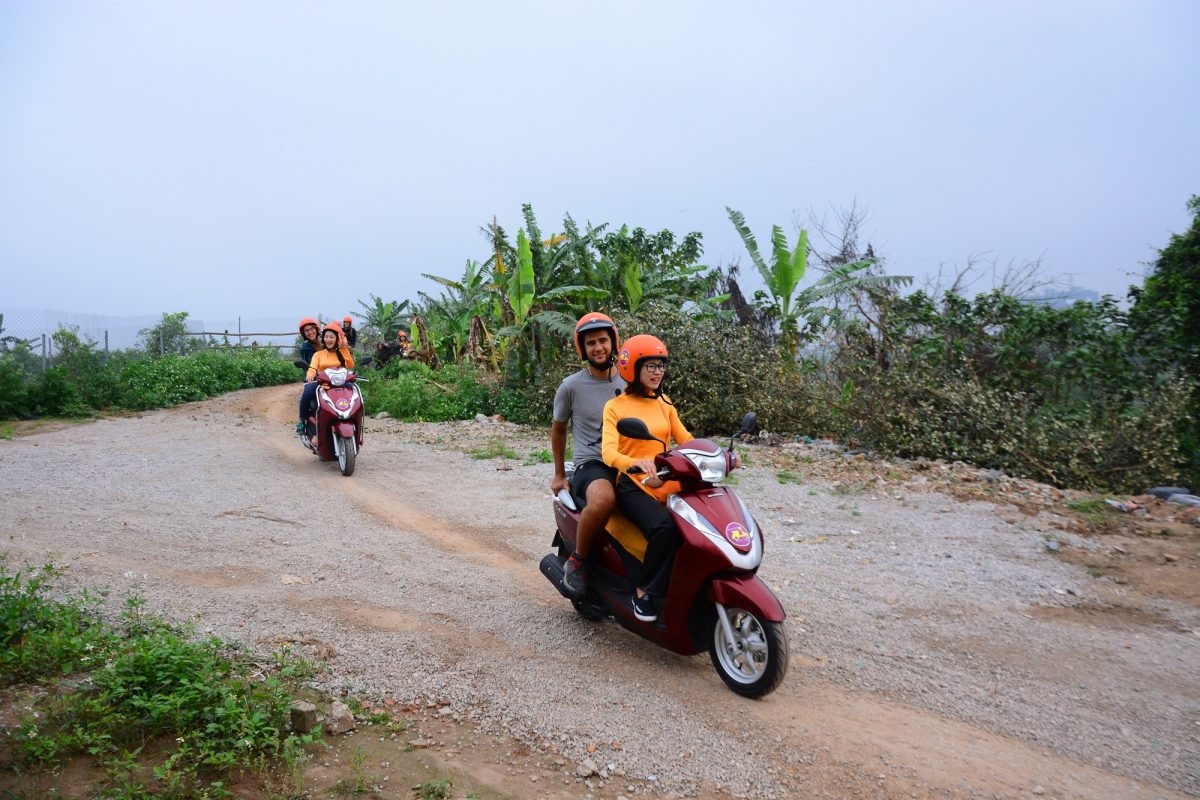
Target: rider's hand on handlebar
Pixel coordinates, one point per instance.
(559, 483)
(647, 466)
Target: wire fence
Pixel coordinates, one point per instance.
(36, 327)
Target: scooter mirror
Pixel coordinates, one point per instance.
(634, 428)
(749, 423)
(299, 362)
(365, 362)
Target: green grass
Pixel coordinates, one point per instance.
(433, 790)
(1093, 511)
(495, 448)
(144, 701)
(786, 476)
(542, 456)
(357, 784)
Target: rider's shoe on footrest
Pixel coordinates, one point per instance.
(573, 578)
(643, 608)
(300, 428)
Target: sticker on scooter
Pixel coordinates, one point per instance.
(738, 536)
(342, 403)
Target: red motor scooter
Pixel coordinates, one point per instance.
(338, 422)
(715, 599)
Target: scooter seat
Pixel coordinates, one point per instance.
(628, 535)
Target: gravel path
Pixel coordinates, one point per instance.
(938, 648)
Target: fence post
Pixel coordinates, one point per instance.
(45, 355)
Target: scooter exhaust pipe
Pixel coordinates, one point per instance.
(552, 568)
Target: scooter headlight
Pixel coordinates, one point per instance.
(337, 377)
(690, 516)
(712, 466)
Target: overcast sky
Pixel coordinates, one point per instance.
(266, 159)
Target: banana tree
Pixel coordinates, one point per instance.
(381, 320)
(535, 314)
(451, 316)
(783, 274)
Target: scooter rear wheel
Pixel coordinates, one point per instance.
(755, 660)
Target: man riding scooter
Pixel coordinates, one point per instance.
(580, 401)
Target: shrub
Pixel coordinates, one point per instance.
(720, 370)
(192, 709)
(14, 390)
(55, 394)
(172, 379)
(419, 394)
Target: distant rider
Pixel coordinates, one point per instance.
(349, 331)
(333, 354)
(310, 331)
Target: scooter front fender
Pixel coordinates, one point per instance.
(747, 592)
(344, 429)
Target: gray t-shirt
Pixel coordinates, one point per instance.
(580, 400)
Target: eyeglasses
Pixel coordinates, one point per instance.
(655, 366)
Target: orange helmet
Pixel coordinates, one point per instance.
(347, 320)
(307, 321)
(332, 326)
(595, 321)
(636, 350)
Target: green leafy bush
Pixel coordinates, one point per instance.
(40, 635)
(55, 394)
(719, 371)
(14, 389)
(1062, 395)
(148, 696)
(418, 394)
(172, 379)
(83, 380)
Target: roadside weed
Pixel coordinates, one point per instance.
(787, 476)
(433, 790)
(542, 456)
(495, 448)
(151, 703)
(1092, 511)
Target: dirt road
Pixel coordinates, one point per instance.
(939, 648)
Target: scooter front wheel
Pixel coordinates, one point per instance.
(346, 451)
(750, 655)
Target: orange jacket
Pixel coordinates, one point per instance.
(663, 421)
(328, 358)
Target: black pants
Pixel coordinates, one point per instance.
(662, 536)
(585, 473)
